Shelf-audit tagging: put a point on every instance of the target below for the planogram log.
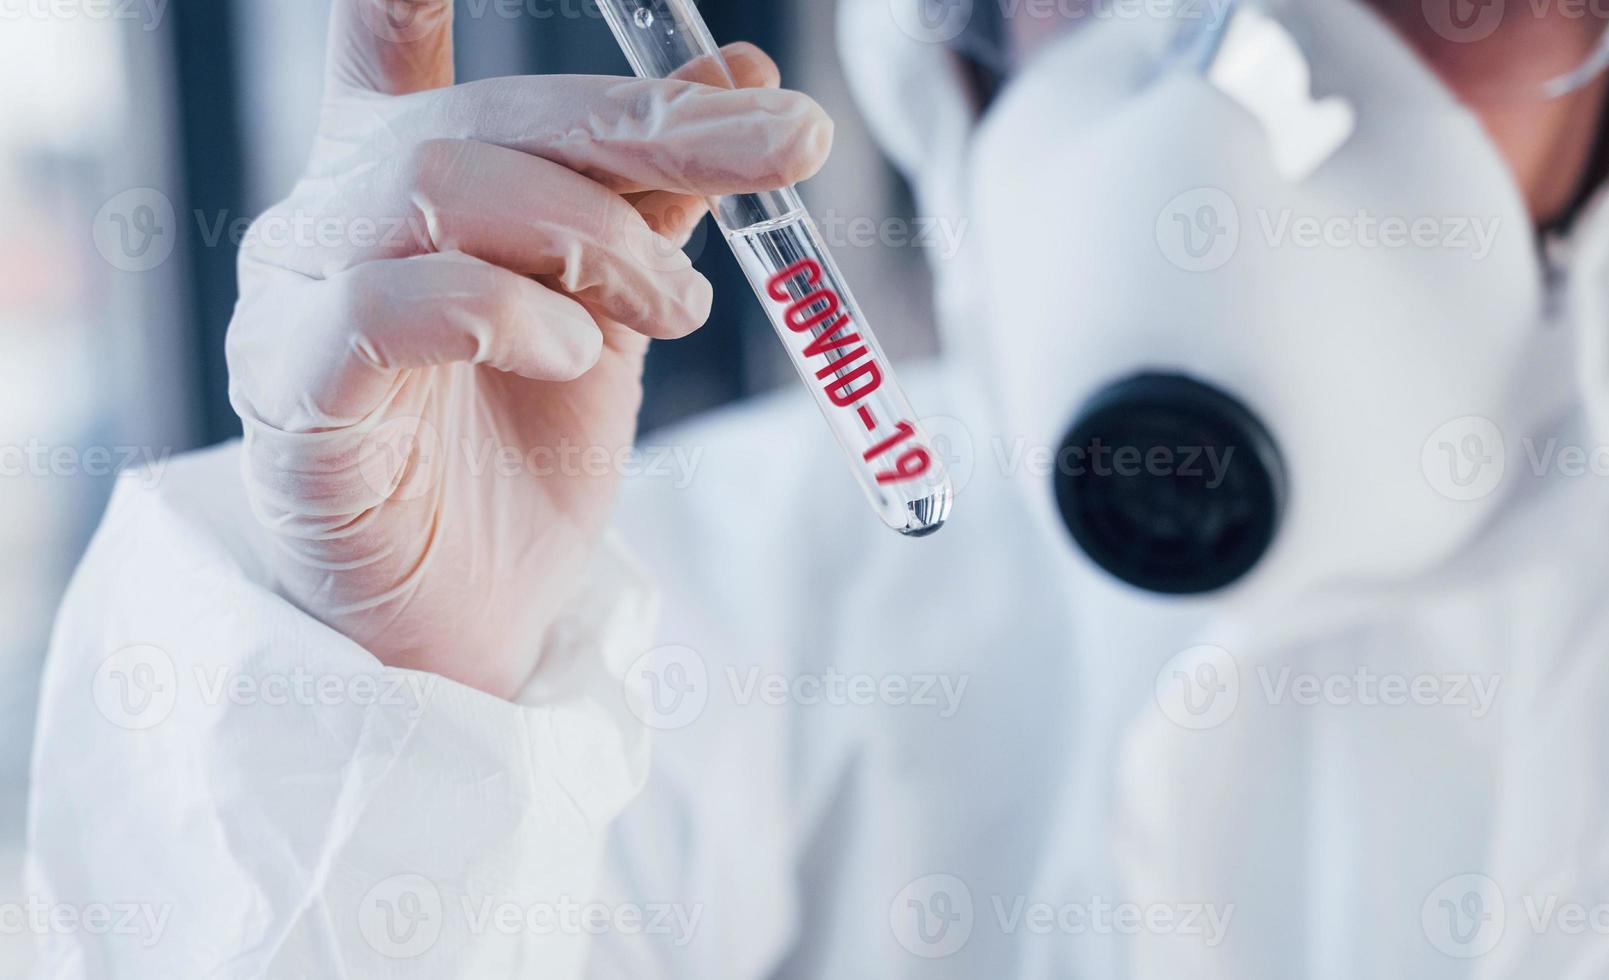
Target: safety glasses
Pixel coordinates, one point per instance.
(1488, 51)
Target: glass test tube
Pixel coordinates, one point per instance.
(806, 299)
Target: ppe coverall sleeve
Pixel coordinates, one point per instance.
(250, 794)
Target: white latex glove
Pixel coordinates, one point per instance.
(465, 272)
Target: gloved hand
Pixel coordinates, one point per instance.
(441, 332)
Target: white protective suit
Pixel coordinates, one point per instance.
(871, 757)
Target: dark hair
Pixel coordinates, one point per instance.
(983, 49)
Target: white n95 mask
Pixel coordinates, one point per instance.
(1271, 338)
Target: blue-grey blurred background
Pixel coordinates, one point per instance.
(113, 311)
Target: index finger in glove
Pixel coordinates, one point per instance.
(675, 215)
(632, 135)
(748, 66)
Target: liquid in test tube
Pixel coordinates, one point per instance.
(806, 299)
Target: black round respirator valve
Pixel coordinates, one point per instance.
(1170, 485)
